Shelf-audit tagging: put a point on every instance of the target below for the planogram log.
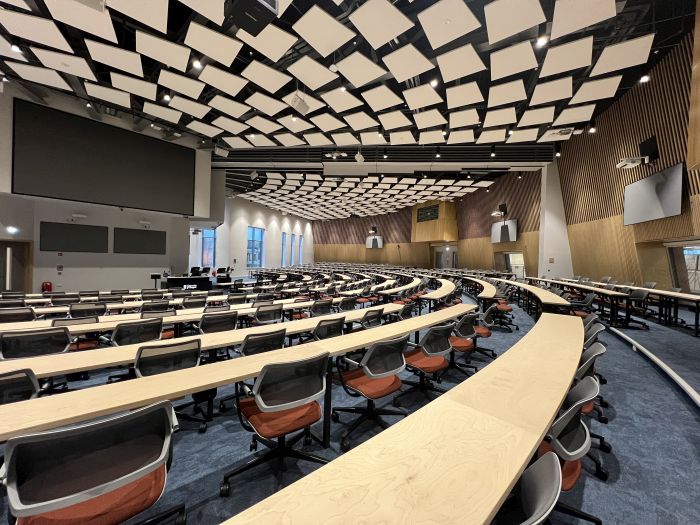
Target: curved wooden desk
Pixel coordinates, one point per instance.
(453, 461)
(537, 300)
(446, 288)
(391, 291)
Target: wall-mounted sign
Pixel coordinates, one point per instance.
(428, 213)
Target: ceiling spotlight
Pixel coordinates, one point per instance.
(437, 154)
(153, 125)
(15, 48)
(592, 128)
(542, 41)
(197, 64)
(294, 119)
(493, 151)
(434, 82)
(88, 105)
(385, 154)
(166, 97)
(520, 177)
(557, 149)
(343, 88)
(487, 190)
(11, 229)
(444, 133)
(425, 176)
(644, 79)
(5, 79)
(510, 132)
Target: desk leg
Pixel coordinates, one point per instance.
(697, 318)
(327, 402)
(627, 311)
(675, 312)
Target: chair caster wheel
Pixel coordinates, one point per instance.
(396, 403)
(605, 447)
(202, 428)
(335, 417)
(253, 446)
(602, 474)
(181, 519)
(224, 489)
(344, 444)
(222, 407)
(603, 419)
(604, 404)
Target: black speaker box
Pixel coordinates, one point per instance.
(253, 15)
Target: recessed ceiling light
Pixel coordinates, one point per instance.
(434, 82)
(88, 105)
(15, 48)
(166, 97)
(294, 119)
(592, 128)
(493, 151)
(343, 88)
(644, 79)
(510, 132)
(11, 229)
(197, 64)
(444, 133)
(542, 41)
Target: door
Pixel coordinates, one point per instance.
(14, 260)
(438, 259)
(516, 264)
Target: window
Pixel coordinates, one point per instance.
(208, 248)
(291, 249)
(256, 237)
(301, 249)
(284, 250)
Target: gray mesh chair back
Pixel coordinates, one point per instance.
(155, 306)
(18, 385)
(159, 359)
(158, 314)
(639, 295)
(33, 343)
(437, 340)
(372, 318)
(16, 295)
(151, 296)
(219, 308)
(38, 466)
(12, 303)
(87, 309)
(347, 304)
(321, 307)
(257, 304)
(592, 334)
(649, 284)
(281, 386)
(110, 298)
(489, 314)
(72, 321)
(218, 322)
(88, 293)
(606, 279)
(122, 291)
(589, 320)
(465, 326)
(406, 312)
(568, 435)
(328, 328)
(180, 294)
(259, 343)
(587, 365)
(136, 332)
(194, 302)
(16, 315)
(539, 489)
(265, 297)
(676, 290)
(237, 298)
(385, 358)
(269, 313)
(65, 300)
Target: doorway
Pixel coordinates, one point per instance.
(511, 262)
(445, 257)
(15, 266)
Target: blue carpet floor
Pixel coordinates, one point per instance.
(654, 466)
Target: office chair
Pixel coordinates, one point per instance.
(587, 369)
(301, 312)
(65, 300)
(12, 303)
(591, 335)
(462, 341)
(428, 358)
(17, 315)
(87, 309)
(483, 330)
(195, 271)
(406, 312)
(585, 307)
(79, 342)
(284, 401)
(267, 314)
(324, 329)
(589, 320)
(364, 296)
(194, 302)
(101, 490)
(18, 385)
(151, 296)
(16, 295)
(370, 319)
(606, 279)
(155, 306)
(110, 298)
(638, 306)
(88, 293)
(218, 322)
(321, 307)
(160, 359)
(265, 297)
(237, 298)
(346, 304)
(217, 308)
(122, 291)
(535, 494)
(237, 283)
(131, 333)
(374, 377)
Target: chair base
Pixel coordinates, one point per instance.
(576, 513)
(424, 385)
(367, 413)
(279, 450)
(465, 368)
(179, 512)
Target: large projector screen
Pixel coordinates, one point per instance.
(63, 156)
(656, 197)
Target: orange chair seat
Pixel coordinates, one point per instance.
(272, 425)
(588, 407)
(570, 470)
(371, 388)
(399, 302)
(461, 344)
(428, 364)
(116, 506)
(300, 315)
(457, 301)
(373, 298)
(168, 334)
(504, 307)
(362, 300)
(482, 331)
(580, 313)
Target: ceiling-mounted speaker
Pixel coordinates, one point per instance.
(253, 15)
(503, 208)
(649, 148)
(298, 103)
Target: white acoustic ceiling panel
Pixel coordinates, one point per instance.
(161, 112)
(341, 99)
(401, 138)
(40, 75)
(133, 85)
(211, 9)
(421, 97)
(153, 13)
(311, 73)
(164, 51)
(360, 120)
(230, 125)
(345, 139)
(222, 80)
(573, 115)
(6, 51)
(116, 57)
(294, 124)
(359, 69)
(459, 63)
(260, 141)
(556, 135)
(322, 31)
(407, 62)
(505, 18)
(464, 95)
(394, 120)
(288, 140)
(551, 91)
(180, 83)
(431, 137)
(379, 21)
(213, 44)
(447, 20)
(372, 138)
(64, 63)
(597, 90)
(381, 97)
(312, 103)
(490, 136)
(317, 139)
(534, 117)
(507, 93)
(573, 15)
(623, 55)
(265, 76)
(464, 118)
(523, 135)
(237, 142)
(22, 4)
(568, 57)
(428, 119)
(263, 124)
(327, 122)
(228, 106)
(115, 96)
(34, 28)
(499, 117)
(85, 18)
(268, 105)
(462, 136)
(272, 41)
(512, 60)
(191, 107)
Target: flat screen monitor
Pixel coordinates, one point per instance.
(374, 241)
(70, 237)
(655, 197)
(504, 231)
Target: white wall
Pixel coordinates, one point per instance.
(232, 235)
(555, 252)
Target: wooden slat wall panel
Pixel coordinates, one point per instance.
(394, 227)
(694, 123)
(592, 187)
(521, 195)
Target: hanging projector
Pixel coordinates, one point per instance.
(631, 163)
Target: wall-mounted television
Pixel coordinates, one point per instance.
(655, 197)
(374, 241)
(504, 231)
